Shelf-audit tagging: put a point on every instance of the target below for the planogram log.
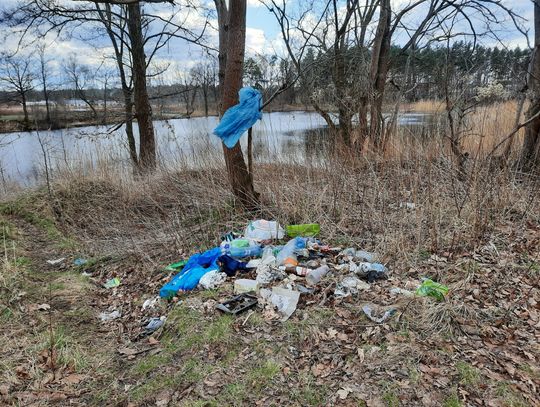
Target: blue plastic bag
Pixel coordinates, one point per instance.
(197, 266)
(239, 118)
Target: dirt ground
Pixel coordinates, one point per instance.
(479, 347)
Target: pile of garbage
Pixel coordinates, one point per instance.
(276, 275)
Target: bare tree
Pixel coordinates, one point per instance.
(232, 43)
(18, 78)
(136, 35)
(530, 153)
(81, 78)
(205, 79)
(43, 75)
(358, 60)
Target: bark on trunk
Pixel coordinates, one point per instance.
(25, 111)
(379, 71)
(231, 64)
(128, 114)
(147, 142)
(530, 155)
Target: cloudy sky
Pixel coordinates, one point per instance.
(262, 37)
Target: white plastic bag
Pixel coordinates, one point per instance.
(264, 230)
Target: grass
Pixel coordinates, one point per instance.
(142, 223)
(468, 374)
(452, 401)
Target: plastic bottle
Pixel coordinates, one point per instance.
(240, 248)
(286, 256)
(314, 276)
(268, 257)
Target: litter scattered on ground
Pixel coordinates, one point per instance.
(230, 266)
(113, 282)
(55, 262)
(430, 288)
(244, 285)
(264, 230)
(314, 276)
(79, 261)
(401, 291)
(283, 299)
(238, 304)
(212, 280)
(109, 316)
(176, 266)
(407, 205)
(277, 274)
(154, 324)
(369, 311)
(43, 307)
(307, 229)
(197, 266)
(350, 285)
(150, 303)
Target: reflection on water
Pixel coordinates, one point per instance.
(279, 137)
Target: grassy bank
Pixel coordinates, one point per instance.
(479, 234)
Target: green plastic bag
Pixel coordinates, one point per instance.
(430, 288)
(306, 229)
(176, 266)
(112, 283)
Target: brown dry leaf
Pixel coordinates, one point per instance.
(4, 390)
(318, 369)
(343, 337)
(73, 379)
(22, 372)
(127, 351)
(48, 378)
(57, 396)
(153, 341)
(361, 354)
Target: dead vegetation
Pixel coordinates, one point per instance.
(479, 235)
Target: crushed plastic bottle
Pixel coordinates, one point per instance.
(286, 256)
(314, 276)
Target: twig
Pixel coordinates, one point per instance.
(516, 129)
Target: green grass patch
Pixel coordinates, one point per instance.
(508, 396)
(468, 374)
(308, 392)
(452, 401)
(189, 371)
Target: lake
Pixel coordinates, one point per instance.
(279, 136)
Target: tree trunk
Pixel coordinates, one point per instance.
(205, 98)
(128, 114)
(231, 65)
(25, 111)
(530, 154)
(379, 71)
(147, 142)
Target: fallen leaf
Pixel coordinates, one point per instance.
(4, 390)
(343, 393)
(361, 354)
(73, 379)
(153, 341)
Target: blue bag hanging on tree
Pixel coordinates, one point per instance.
(239, 118)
